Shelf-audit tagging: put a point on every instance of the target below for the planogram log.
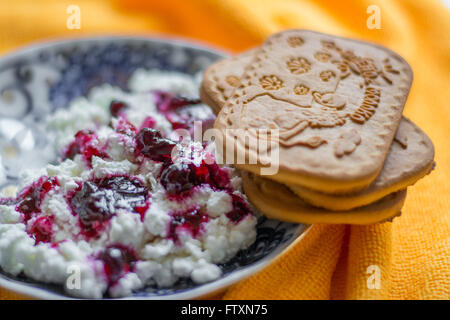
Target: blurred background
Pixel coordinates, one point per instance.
(232, 24)
(419, 30)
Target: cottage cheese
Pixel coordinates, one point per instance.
(139, 238)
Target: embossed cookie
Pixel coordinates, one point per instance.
(335, 102)
(222, 78)
(276, 201)
(410, 158)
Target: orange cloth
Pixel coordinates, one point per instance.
(412, 254)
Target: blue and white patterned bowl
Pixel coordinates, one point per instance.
(42, 78)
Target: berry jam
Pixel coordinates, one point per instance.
(41, 229)
(84, 144)
(213, 175)
(148, 122)
(178, 178)
(29, 200)
(141, 210)
(118, 260)
(191, 221)
(166, 102)
(171, 106)
(96, 201)
(117, 107)
(179, 121)
(151, 144)
(123, 126)
(240, 209)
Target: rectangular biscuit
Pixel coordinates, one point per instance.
(336, 102)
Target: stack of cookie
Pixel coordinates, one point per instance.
(330, 108)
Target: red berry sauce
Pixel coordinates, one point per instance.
(149, 122)
(117, 260)
(29, 201)
(42, 229)
(95, 202)
(84, 144)
(151, 144)
(117, 108)
(172, 107)
(167, 102)
(192, 221)
(240, 209)
(180, 178)
(123, 126)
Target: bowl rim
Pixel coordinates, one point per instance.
(157, 38)
(204, 290)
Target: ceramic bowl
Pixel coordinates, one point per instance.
(42, 78)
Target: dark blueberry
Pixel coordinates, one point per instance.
(151, 144)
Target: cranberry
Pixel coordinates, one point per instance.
(117, 107)
(169, 102)
(179, 178)
(191, 221)
(95, 202)
(41, 229)
(151, 144)
(240, 209)
(29, 201)
(84, 144)
(118, 260)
